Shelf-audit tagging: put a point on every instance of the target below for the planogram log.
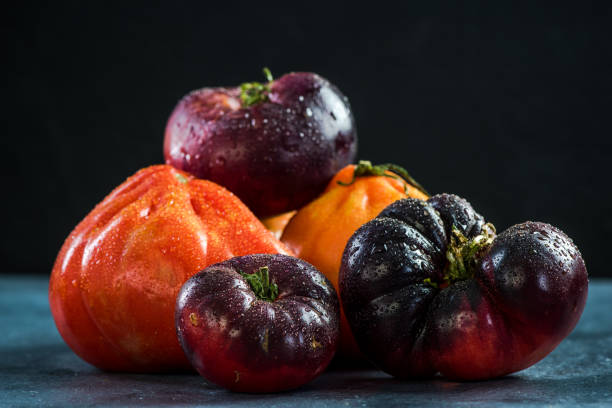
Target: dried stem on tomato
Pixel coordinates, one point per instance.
(365, 168)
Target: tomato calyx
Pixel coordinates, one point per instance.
(252, 93)
(463, 255)
(260, 283)
(365, 168)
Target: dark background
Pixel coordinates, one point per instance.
(508, 106)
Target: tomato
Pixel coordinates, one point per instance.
(115, 281)
(275, 145)
(428, 287)
(259, 323)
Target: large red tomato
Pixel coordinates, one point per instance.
(114, 284)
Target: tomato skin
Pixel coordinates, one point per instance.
(319, 231)
(246, 344)
(115, 280)
(429, 288)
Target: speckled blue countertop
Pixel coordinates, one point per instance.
(38, 369)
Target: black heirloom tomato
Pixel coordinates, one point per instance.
(258, 323)
(429, 288)
(275, 145)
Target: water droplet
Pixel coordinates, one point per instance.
(301, 98)
(308, 112)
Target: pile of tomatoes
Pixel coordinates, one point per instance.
(258, 252)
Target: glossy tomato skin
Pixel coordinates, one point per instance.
(527, 293)
(276, 155)
(114, 284)
(246, 344)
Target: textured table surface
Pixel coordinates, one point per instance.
(38, 369)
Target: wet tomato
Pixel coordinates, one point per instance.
(427, 287)
(258, 323)
(114, 284)
(275, 145)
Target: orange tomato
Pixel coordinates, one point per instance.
(114, 284)
(319, 231)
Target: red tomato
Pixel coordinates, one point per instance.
(115, 281)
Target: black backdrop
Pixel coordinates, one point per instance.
(507, 106)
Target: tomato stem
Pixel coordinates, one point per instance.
(261, 285)
(365, 168)
(252, 93)
(463, 255)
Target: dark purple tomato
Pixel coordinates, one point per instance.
(427, 288)
(274, 145)
(258, 323)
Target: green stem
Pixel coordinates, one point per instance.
(268, 74)
(463, 255)
(252, 93)
(365, 168)
(261, 285)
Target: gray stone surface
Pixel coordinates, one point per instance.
(38, 369)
